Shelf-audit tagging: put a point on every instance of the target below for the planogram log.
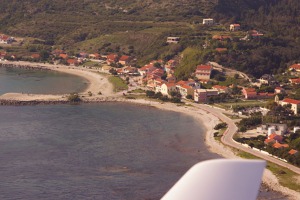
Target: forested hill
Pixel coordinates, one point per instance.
(82, 25)
(275, 15)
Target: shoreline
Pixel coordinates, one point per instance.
(98, 82)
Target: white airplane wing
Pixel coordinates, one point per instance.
(221, 179)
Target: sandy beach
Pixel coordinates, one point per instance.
(99, 83)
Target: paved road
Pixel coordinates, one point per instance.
(243, 75)
(232, 129)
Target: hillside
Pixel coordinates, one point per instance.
(89, 25)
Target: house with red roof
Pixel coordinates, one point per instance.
(187, 88)
(221, 89)
(294, 104)
(94, 56)
(4, 39)
(112, 58)
(124, 60)
(276, 137)
(203, 72)
(35, 56)
(295, 67)
(72, 61)
(235, 27)
(295, 81)
(293, 152)
(147, 68)
(279, 90)
(167, 88)
(63, 56)
(277, 145)
(250, 93)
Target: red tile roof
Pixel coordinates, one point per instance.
(278, 145)
(220, 87)
(267, 141)
(35, 55)
(295, 80)
(293, 151)
(63, 55)
(124, 58)
(291, 101)
(204, 67)
(295, 66)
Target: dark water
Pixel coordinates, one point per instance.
(39, 82)
(104, 151)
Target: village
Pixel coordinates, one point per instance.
(272, 95)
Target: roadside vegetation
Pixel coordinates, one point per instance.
(118, 83)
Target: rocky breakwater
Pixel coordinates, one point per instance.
(17, 65)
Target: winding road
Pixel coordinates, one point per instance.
(227, 138)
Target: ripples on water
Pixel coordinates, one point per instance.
(39, 81)
(105, 151)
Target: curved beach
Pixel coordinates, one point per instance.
(99, 83)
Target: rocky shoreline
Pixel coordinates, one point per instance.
(37, 67)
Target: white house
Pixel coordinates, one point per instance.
(208, 21)
(167, 88)
(294, 104)
(234, 27)
(203, 72)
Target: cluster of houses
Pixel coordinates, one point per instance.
(275, 136)
(5, 39)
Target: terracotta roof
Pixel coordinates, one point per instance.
(267, 141)
(278, 145)
(295, 66)
(35, 55)
(63, 55)
(291, 101)
(170, 84)
(124, 58)
(293, 151)
(204, 67)
(275, 137)
(295, 80)
(112, 57)
(72, 61)
(219, 87)
(236, 24)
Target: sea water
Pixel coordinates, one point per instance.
(107, 151)
(19, 80)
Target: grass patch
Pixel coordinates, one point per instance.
(118, 83)
(248, 103)
(286, 177)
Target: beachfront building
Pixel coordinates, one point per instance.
(202, 95)
(221, 89)
(167, 88)
(250, 93)
(186, 88)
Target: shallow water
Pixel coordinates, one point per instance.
(99, 151)
(18, 80)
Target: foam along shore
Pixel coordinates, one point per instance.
(101, 83)
(96, 82)
(209, 121)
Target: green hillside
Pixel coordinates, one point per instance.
(140, 28)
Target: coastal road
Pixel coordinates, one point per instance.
(227, 138)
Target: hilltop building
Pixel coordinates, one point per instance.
(208, 21)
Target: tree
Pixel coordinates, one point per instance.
(74, 97)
